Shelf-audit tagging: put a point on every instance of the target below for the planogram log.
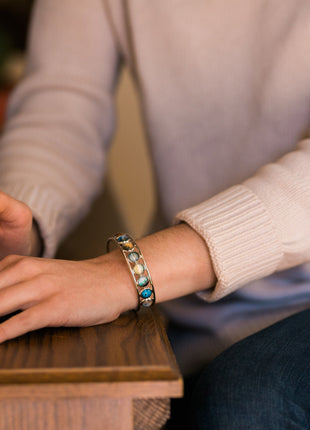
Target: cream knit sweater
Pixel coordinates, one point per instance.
(225, 95)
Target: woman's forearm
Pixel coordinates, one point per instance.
(178, 260)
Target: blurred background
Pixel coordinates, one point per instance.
(121, 206)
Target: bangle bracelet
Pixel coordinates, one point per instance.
(137, 266)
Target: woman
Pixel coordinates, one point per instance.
(225, 95)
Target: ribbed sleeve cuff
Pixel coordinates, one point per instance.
(241, 238)
(47, 211)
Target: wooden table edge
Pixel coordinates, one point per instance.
(133, 389)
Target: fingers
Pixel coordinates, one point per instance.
(53, 293)
(15, 269)
(31, 319)
(29, 284)
(22, 283)
(21, 296)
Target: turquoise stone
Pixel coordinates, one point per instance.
(133, 257)
(146, 293)
(123, 238)
(143, 281)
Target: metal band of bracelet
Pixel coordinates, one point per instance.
(137, 266)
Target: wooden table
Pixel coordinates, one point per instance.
(88, 378)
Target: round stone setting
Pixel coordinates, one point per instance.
(133, 257)
(128, 246)
(123, 238)
(147, 303)
(143, 281)
(146, 293)
(138, 269)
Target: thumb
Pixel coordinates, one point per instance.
(14, 212)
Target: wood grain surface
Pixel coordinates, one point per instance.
(72, 414)
(90, 378)
(132, 348)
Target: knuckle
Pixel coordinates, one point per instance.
(45, 286)
(28, 319)
(23, 264)
(9, 259)
(29, 266)
(62, 313)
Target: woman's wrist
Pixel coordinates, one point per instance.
(178, 261)
(116, 273)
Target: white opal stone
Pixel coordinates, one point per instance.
(138, 269)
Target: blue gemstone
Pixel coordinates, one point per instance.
(123, 238)
(143, 281)
(133, 257)
(146, 293)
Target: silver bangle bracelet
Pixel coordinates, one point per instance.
(137, 266)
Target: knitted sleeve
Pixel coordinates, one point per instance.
(258, 227)
(60, 118)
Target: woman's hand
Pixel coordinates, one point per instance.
(62, 293)
(84, 293)
(18, 233)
